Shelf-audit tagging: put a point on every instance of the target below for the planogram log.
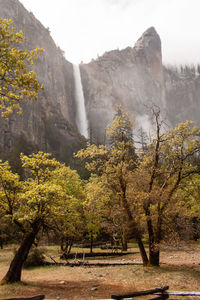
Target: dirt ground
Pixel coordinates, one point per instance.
(180, 269)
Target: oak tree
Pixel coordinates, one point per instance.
(163, 168)
(114, 164)
(43, 198)
(144, 188)
(17, 79)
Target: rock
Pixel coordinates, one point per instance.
(133, 77)
(48, 124)
(136, 78)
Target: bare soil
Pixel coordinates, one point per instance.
(180, 269)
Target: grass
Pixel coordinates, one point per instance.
(180, 269)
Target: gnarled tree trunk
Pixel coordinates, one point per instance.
(135, 231)
(154, 255)
(142, 251)
(66, 249)
(15, 269)
(154, 251)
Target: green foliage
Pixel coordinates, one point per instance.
(70, 222)
(142, 192)
(10, 187)
(121, 128)
(107, 191)
(17, 80)
(189, 195)
(164, 168)
(167, 163)
(51, 193)
(97, 207)
(35, 258)
(49, 197)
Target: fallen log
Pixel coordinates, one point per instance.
(79, 263)
(96, 254)
(161, 297)
(175, 293)
(140, 293)
(38, 297)
(180, 293)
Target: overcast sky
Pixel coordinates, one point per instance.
(87, 28)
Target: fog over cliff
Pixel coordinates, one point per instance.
(134, 77)
(85, 29)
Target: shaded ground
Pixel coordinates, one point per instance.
(179, 269)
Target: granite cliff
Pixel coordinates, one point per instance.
(182, 86)
(134, 77)
(47, 124)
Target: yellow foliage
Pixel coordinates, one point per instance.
(51, 191)
(17, 81)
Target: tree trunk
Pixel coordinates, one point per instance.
(1, 243)
(1, 240)
(142, 251)
(124, 240)
(70, 246)
(154, 255)
(112, 241)
(154, 252)
(66, 249)
(91, 243)
(135, 231)
(15, 269)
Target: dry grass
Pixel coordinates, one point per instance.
(180, 269)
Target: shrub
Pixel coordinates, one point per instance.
(35, 258)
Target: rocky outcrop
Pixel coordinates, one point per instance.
(49, 123)
(182, 86)
(136, 78)
(132, 77)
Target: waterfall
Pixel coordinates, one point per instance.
(81, 117)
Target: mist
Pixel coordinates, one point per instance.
(85, 29)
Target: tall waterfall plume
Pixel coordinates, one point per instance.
(81, 117)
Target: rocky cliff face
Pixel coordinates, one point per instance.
(182, 88)
(134, 77)
(47, 124)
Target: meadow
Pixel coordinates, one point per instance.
(180, 269)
